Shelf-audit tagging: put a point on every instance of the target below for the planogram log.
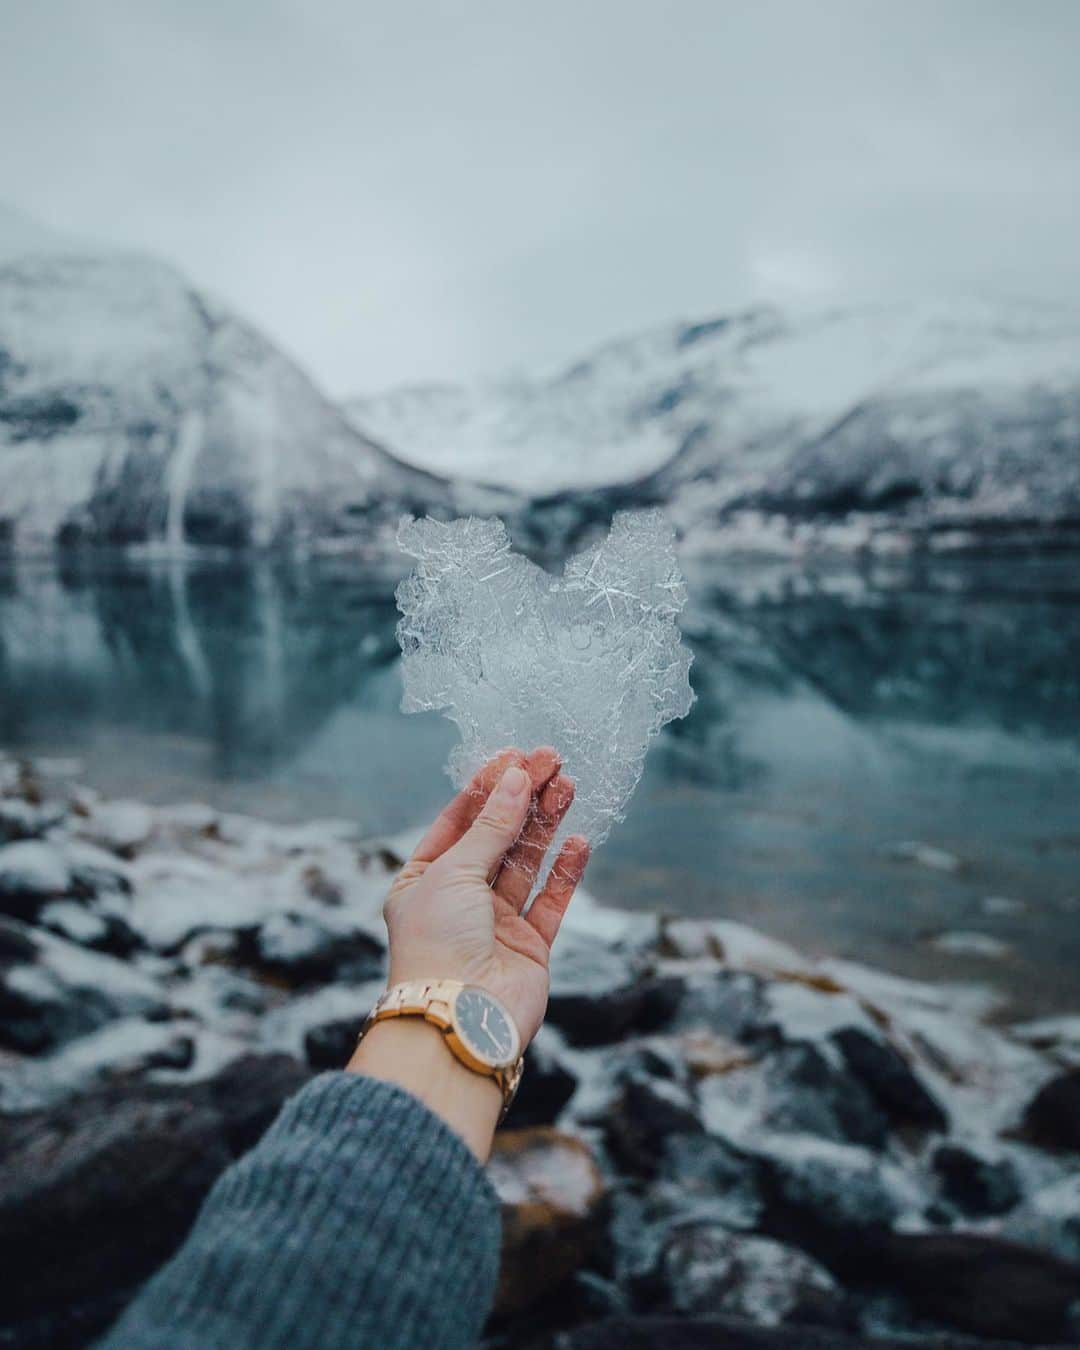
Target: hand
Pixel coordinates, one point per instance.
(455, 912)
(455, 909)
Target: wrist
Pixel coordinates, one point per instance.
(413, 1054)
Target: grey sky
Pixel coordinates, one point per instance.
(413, 189)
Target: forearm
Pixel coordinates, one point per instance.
(359, 1220)
(411, 1053)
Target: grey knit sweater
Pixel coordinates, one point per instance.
(360, 1220)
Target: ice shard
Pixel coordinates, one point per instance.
(591, 662)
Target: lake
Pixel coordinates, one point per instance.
(879, 755)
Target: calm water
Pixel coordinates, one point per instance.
(839, 713)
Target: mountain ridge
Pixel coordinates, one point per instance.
(938, 412)
(137, 410)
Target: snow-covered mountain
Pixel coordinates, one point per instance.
(938, 415)
(136, 410)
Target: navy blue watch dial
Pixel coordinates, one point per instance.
(484, 1027)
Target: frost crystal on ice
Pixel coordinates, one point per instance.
(590, 662)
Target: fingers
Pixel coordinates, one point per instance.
(456, 818)
(542, 763)
(521, 865)
(496, 827)
(547, 910)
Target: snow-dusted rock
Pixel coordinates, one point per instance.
(96, 871)
(120, 826)
(52, 990)
(739, 946)
(320, 1025)
(91, 924)
(31, 873)
(726, 1084)
(599, 993)
(74, 921)
(1050, 1219)
(300, 949)
(796, 1089)
(551, 1192)
(706, 1269)
(120, 1050)
(1060, 1035)
(136, 410)
(178, 895)
(962, 942)
(837, 1186)
(21, 819)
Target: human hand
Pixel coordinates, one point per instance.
(455, 908)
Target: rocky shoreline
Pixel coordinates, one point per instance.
(717, 1141)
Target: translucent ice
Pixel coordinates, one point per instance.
(590, 662)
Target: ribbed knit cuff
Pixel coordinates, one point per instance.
(360, 1219)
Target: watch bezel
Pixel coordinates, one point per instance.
(464, 1038)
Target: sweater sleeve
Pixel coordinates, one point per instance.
(359, 1220)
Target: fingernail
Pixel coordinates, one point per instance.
(512, 783)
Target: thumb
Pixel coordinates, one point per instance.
(496, 827)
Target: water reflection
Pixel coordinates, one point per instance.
(837, 713)
(253, 660)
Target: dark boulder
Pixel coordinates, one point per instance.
(729, 1333)
(731, 1003)
(808, 1093)
(889, 1077)
(711, 1177)
(601, 1017)
(978, 1284)
(249, 1093)
(118, 939)
(820, 1195)
(600, 994)
(644, 1119)
(975, 1184)
(297, 950)
(98, 1192)
(331, 1044)
(705, 1269)
(972, 1282)
(1052, 1117)
(547, 1084)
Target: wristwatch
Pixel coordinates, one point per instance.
(478, 1030)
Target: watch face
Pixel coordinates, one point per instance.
(485, 1027)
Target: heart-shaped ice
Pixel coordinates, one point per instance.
(590, 662)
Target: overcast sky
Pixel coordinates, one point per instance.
(414, 190)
